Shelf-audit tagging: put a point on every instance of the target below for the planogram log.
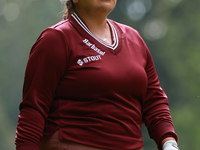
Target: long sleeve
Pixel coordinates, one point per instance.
(156, 113)
(46, 66)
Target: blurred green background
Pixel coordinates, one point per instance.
(171, 29)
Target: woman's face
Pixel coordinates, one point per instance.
(97, 5)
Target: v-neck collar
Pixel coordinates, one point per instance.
(117, 35)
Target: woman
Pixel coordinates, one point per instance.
(89, 85)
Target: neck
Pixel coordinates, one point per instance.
(93, 22)
(97, 25)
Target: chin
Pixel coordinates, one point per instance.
(108, 5)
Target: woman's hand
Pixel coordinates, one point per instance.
(170, 145)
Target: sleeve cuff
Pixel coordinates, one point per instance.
(162, 131)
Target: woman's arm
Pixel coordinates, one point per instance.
(45, 67)
(156, 113)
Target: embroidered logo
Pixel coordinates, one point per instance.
(92, 46)
(80, 62)
(88, 59)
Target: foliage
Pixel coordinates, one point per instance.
(170, 28)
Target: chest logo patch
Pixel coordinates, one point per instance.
(93, 46)
(88, 59)
(91, 58)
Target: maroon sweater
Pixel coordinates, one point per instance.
(92, 92)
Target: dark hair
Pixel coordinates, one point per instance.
(69, 9)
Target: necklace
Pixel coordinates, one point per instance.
(105, 37)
